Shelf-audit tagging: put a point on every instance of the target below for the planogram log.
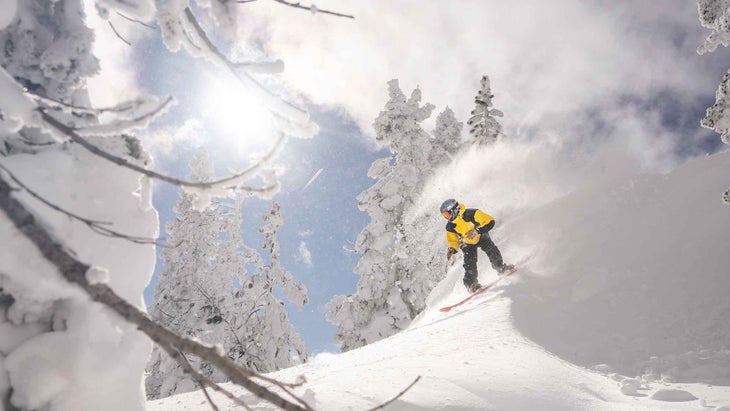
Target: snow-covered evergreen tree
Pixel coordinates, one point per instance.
(273, 340)
(387, 296)
(715, 15)
(196, 294)
(190, 287)
(446, 137)
(483, 124)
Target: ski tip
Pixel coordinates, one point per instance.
(445, 309)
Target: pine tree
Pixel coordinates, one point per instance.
(484, 126)
(385, 301)
(714, 15)
(196, 294)
(446, 140)
(189, 285)
(271, 339)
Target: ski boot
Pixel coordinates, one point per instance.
(505, 269)
(474, 287)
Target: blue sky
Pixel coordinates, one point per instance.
(595, 77)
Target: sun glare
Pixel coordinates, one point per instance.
(235, 114)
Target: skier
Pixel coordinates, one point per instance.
(470, 227)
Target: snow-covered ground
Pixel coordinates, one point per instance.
(621, 302)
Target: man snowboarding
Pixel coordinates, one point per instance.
(468, 229)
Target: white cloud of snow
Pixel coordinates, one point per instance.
(557, 67)
(163, 141)
(304, 254)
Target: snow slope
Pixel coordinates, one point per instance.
(621, 302)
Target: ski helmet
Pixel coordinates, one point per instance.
(450, 209)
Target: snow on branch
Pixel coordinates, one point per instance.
(94, 225)
(133, 20)
(127, 109)
(75, 272)
(314, 9)
(267, 67)
(16, 109)
(136, 113)
(118, 127)
(138, 9)
(217, 187)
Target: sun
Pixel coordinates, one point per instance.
(234, 113)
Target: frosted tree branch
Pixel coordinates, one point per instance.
(203, 381)
(123, 109)
(75, 271)
(225, 183)
(274, 103)
(124, 16)
(313, 9)
(94, 225)
(119, 35)
(210, 400)
(118, 127)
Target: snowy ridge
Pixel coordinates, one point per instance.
(604, 314)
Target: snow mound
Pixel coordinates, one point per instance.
(632, 274)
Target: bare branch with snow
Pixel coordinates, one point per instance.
(133, 20)
(203, 381)
(94, 225)
(228, 183)
(314, 9)
(114, 29)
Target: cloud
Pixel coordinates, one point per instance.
(552, 64)
(304, 254)
(166, 142)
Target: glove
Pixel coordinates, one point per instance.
(471, 235)
(449, 253)
(485, 228)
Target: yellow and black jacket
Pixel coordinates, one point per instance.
(468, 218)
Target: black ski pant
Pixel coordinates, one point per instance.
(470, 258)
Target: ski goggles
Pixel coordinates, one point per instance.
(451, 213)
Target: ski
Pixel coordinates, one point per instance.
(481, 290)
